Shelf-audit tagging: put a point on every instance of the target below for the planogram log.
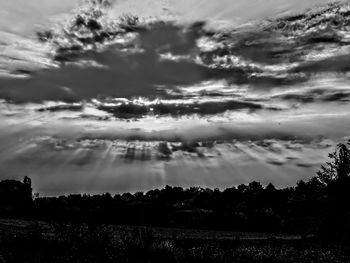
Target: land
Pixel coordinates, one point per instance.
(40, 241)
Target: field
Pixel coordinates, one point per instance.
(29, 241)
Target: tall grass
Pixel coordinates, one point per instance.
(98, 243)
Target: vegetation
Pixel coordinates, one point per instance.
(92, 243)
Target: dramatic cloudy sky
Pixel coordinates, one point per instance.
(130, 95)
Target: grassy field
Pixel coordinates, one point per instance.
(48, 229)
(29, 241)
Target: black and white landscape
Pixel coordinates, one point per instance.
(236, 111)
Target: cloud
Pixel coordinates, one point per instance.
(20, 56)
(62, 107)
(98, 158)
(103, 102)
(177, 108)
(319, 95)
(100, 56)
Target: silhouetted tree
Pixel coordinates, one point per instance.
(15, 197)
(27, 182)
(338, 169)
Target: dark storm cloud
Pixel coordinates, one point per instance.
(62, 107)
(126, 57)
(334, 64)
(133, 110)
(125, 76)
(341, 96)
(165, 37)
(120, 73)
(317, 95)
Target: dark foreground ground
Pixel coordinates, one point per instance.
(38, 241)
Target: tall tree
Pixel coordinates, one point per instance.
(338, 169)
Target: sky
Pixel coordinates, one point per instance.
(133, 95)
